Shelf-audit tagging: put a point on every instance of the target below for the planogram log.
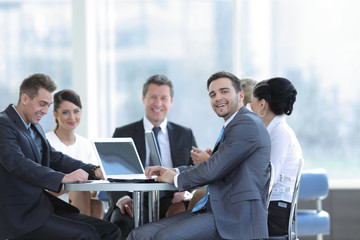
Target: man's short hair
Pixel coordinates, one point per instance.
(34, 82)
(235, 80)
(158, 80)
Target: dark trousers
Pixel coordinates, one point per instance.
(186, 225)
(74, 226)
(126, 223)
(278, 218)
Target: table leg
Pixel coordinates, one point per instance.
(137, 207)
(154, 206)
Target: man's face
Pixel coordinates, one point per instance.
(157, 103)
(224, 99)
(34, 109)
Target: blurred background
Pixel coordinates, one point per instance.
(106, 49)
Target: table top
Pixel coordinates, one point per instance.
(104, 185)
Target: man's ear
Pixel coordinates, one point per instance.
(24, 98)
(241, 95)
(143, 99)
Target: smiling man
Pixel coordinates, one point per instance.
(175, 143)
(30, 167)
(237, 175)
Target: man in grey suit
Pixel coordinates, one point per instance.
(175, 143)
(237, 175)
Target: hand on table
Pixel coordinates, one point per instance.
(76, 176)
(165, 175)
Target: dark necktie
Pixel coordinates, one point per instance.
(156, 131)
(37, 140)
(202, 202)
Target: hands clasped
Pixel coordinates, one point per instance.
(165, 175)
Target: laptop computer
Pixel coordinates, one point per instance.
(119, 160)
(153, 148)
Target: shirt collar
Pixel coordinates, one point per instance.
(148, 126)
(27, 126)
(275, 122)
(230, 118)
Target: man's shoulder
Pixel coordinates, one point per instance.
(248, 120)
(131, 127)
(175, 126)
(8, 115)
(245, 114)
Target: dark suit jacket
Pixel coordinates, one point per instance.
(181, 140)
(24, 203)
(238, 176)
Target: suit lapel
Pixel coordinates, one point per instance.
(20, 125)
(173, 140)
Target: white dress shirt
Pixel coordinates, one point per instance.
(285, 155)
(81, 150)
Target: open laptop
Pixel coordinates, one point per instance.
(153, 148)
(119, 160)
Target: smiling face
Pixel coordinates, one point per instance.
(32, 110)
(158, 102)
(224, 99)
(68, 115)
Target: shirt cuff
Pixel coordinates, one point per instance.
(118, 201)
(176, 180)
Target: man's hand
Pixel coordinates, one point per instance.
(99, 173)
(165, 175)
(199, 156)
(154, 170)
(127, 205)
(181, 196)
(75, 176)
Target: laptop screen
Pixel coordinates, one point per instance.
(153, 149)
(118, 156)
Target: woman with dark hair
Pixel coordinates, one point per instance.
(67, 113)
(272, 100)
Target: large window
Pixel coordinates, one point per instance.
(35, 37)
(314, 43)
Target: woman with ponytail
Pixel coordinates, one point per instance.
(272, 100)
(67, 114)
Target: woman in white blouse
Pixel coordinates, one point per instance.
(272, 100)
(67, 113)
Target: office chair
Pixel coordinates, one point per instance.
(292, 228)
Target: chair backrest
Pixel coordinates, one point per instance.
(315, 186)
(271, 184)
(292, 229)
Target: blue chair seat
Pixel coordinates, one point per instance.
(312, 222)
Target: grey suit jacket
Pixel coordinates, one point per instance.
(181, 140)
(238, 175)
(24, 203)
